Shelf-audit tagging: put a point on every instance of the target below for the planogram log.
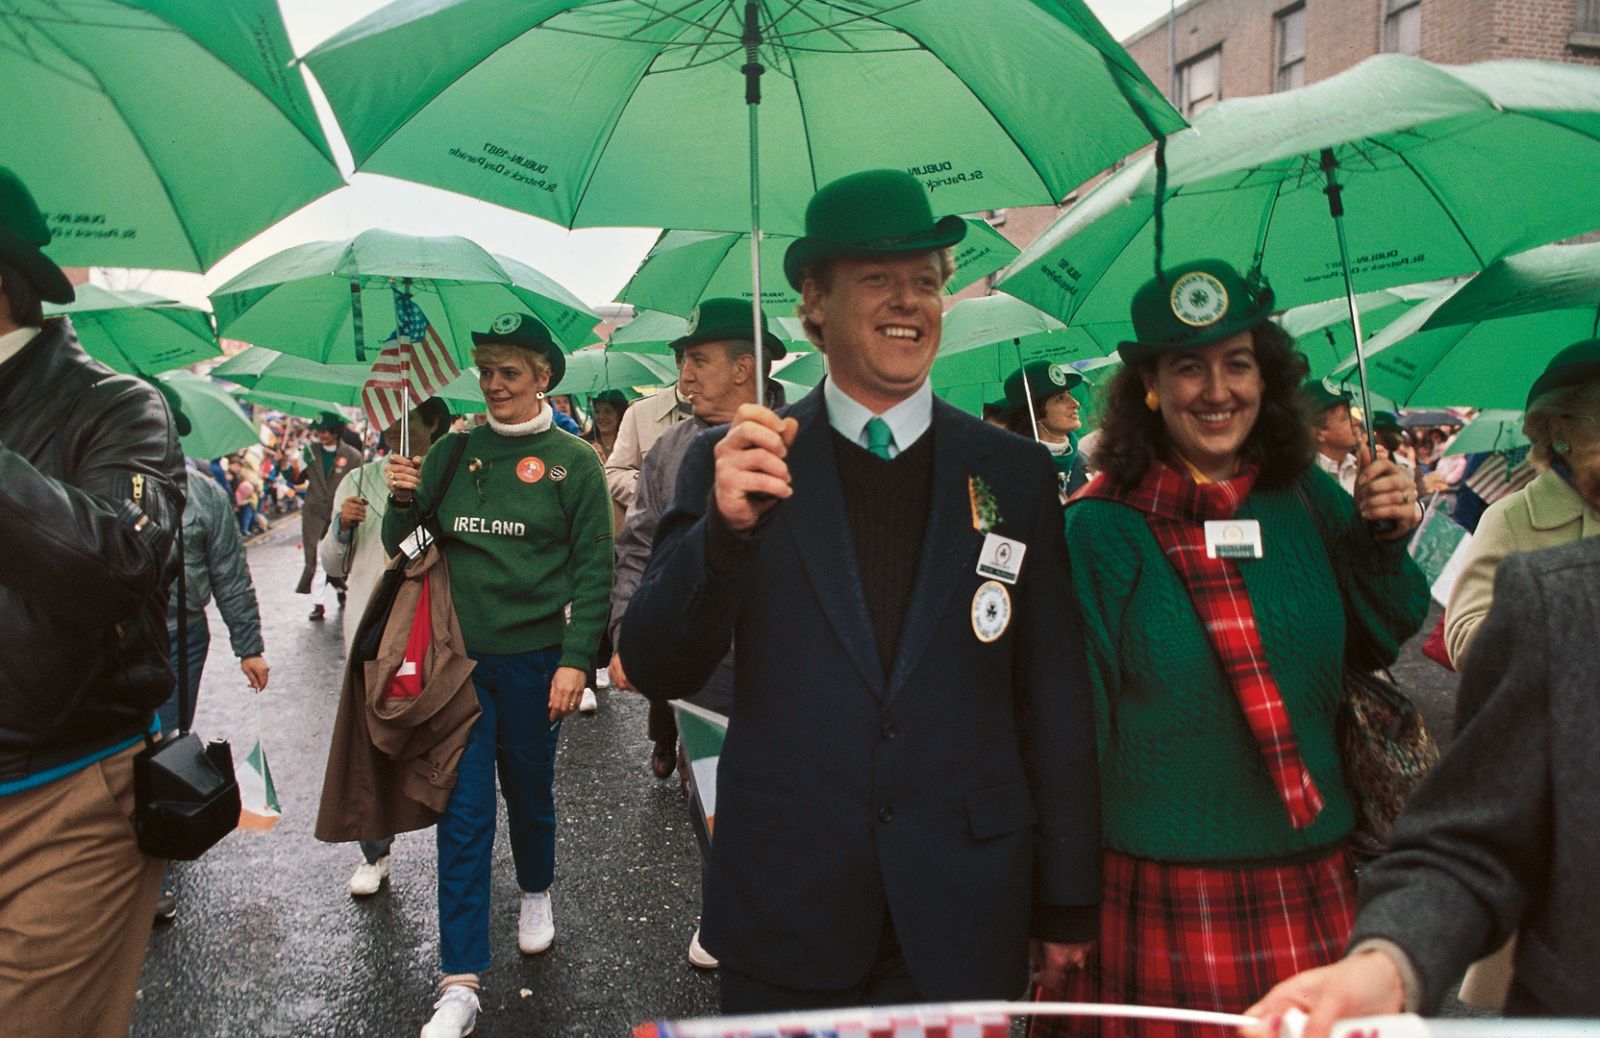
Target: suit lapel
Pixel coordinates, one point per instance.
(947, 547)
(815, 518)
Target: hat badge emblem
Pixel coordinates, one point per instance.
(694, 321)
(1058, 374)
(505, 324)
(1198, 299)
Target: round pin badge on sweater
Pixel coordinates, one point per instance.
(530, 470)
(991, 611)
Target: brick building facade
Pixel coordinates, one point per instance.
(1240, 48)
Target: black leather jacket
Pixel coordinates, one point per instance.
(91, 490)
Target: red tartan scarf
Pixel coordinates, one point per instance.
(1177, 509)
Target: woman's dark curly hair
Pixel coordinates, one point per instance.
(1132, 435)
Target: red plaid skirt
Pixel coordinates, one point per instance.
(1204, 938)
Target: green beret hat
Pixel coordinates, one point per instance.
(875, 213)
(1579, 362)
(1045, 379)
(1194, 305)
(721, 319)
(528, 332)
(23, 236)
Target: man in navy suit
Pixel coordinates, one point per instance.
(909, 793)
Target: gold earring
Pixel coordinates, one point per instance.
(1152, 400)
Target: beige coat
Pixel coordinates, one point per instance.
(642, 424)
(392, 766)
(1543, 514)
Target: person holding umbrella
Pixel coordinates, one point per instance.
(1224, 580)
(327, 461)
(1047, 411)
(526, 530)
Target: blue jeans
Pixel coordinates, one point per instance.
(515, 733)
(199, 636)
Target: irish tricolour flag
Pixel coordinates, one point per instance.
(258, 797)
(702, 732)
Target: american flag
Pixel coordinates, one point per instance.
(1502, 473)
(383, 395)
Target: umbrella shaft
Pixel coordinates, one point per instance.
(752, 74)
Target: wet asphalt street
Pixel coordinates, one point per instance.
(268, 941)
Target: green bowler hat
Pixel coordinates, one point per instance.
(23, 233)
(328, 420)
(1196, 304)
(528, 332)
(1386, 420)
(1045, 379)
(1317, 397)
(878, 212)
(723, 318)
(1579, 362)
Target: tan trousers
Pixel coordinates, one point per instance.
(76, 903)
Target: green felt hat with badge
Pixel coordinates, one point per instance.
(1577, 363)
(722, 319)
(1194, 305)
(529, 333)
(1045, 379)
(1317, 397)
(329, 421)
(876, 213)
(23, 236)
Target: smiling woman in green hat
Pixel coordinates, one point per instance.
(1041, 407)
(525, 526)
(1217, 624)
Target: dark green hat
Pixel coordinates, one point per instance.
(23, 233)
(615, 397)
(717, 320)
(879, 212)
(1579, 362)
(528, 332)
(1317, 397)
(1196, 304)
(1045, 380)
(330, 421)
(1386, 420)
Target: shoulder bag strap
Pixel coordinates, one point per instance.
(185, 708)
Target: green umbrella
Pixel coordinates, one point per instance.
(301, 407)
(280, 374)
(685, 267)
(1484, 343)
(217, 426)
(136, 332)
(300, 300)
(157, 133)
(591, 370)
(652, 331)
(1491, 431)
(1436, 170)
(1322, 331)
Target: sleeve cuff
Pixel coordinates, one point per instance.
(1410, 981)
(728, 549)
(1066, 924)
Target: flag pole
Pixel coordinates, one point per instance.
(752, 95)
(404, 337)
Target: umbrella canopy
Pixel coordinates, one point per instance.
(300, 407)
(1484, 343)
(136, 332)
(632, 113)
(685, 267)
(281, 374)
(651, 331)
(592, 370)
(1435, 168)
(1322, 331)
(1492, 430)
(217, 425)
(300, 300)
(157, 133)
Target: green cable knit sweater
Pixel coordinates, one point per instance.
(526, 528)
(1182, 780)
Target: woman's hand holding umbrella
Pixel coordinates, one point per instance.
(403, 477)
(1384, 492)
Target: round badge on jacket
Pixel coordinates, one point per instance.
(557, 473)
(991, 611)
(1199, 300)
(530, 470)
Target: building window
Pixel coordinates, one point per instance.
(1200, 83)
(1402, 26)
(1586, 25)
(1292, 47)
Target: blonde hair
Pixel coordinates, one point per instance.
(1538, 425)
(821, 271)
(495, 352)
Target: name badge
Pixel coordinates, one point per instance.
(416, 542)
(1233, 539)
(1001, 558)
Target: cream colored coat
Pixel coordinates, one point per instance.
(1543, 514)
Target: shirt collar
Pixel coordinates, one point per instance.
(907, 420)
(11, 343)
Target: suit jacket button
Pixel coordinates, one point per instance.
(889, 732)
(885, 813)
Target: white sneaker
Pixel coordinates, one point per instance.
(699, 958)
(454, 1015)
(368, 878)
(536, 926)
(602, 678)
(588, 704)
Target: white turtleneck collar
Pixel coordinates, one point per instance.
(537, 424)
(1058, 449)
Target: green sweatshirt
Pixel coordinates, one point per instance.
(1181, 777)
(526, 529)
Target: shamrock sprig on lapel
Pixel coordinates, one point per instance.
(985, 512)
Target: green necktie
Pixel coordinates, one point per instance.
(879, 437)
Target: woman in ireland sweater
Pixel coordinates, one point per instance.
(525, 526)
(1218, 617)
